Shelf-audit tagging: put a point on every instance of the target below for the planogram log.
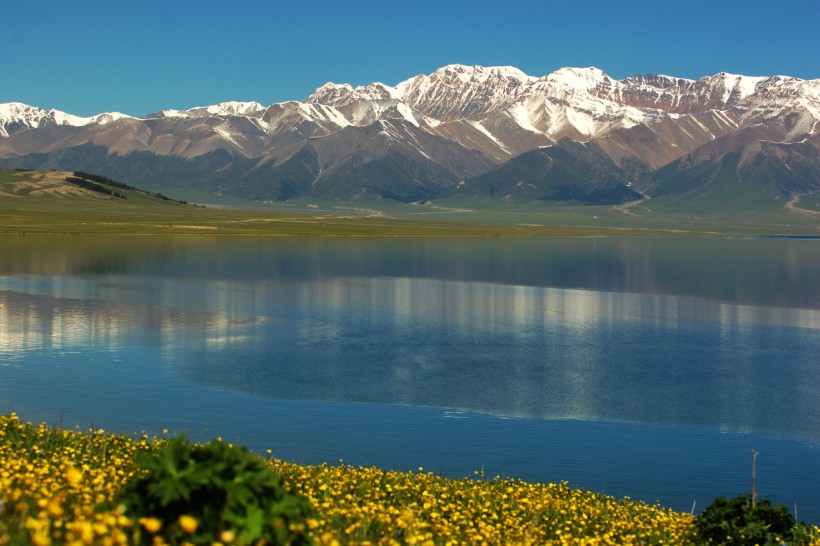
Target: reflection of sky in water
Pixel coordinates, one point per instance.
(535, 352)
(502, 349)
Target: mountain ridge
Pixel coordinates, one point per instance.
(431, 132)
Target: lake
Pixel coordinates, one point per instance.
(641, 367)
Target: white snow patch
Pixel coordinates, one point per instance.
(322, 114)
(232, 108)
(33, 117)
(172, 114)
(734, 84)
(391, 132)
(263, 125)
(519, 113)
(723, 116)
(488, 134)
(702, 126)
(407, 113)
(578, 79)
(582, 122)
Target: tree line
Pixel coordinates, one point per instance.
(104, 180)
(116, 184)
(93, 186)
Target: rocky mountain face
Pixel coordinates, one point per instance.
(575, 134)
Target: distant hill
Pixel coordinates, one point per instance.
(70, 185)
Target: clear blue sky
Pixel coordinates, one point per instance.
(88, 56)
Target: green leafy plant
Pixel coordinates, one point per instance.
(735, 521)
(212, 493)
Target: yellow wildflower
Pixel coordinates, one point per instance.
(152, 525)
(188, 523)
(73, 476)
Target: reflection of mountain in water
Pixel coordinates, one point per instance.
(456, 323)
(534, 352)
(761, 272)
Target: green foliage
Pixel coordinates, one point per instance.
(734, 521)
(225, 488)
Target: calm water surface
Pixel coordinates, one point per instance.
(641, 367)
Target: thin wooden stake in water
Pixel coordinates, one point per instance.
(754, 476)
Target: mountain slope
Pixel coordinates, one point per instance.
(567, 171)
(753, 175)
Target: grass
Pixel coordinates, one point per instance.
(811, 202)
(42, 202)
(667, 215)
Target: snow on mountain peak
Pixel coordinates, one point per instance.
(330, 92)
(658, 81)
(498, 81)
(169, 113)
(110, 117)
(330, 86)
(16, 116)
(458, 91)
(32, 116)
(579, 79)
(478, 74)
(234, 108)
(581, 103)
(339, 94)
(733, 86)
(382, 91)
(229, 108)
(17, 111)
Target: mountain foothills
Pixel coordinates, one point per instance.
(460, 133)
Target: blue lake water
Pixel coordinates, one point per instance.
(647, 368)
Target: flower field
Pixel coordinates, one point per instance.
(58, 487)
(372, 506)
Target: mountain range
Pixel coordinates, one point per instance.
(462, 132)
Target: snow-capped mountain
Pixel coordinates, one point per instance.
(15, 117)
(230, 108)
(431, 132)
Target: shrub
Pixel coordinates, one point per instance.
(736, 522)
(211, 493)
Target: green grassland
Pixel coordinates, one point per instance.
(811, 202)
(37, 202)
(719, 213)
(43, 202)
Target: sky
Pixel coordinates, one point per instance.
(136, 57)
